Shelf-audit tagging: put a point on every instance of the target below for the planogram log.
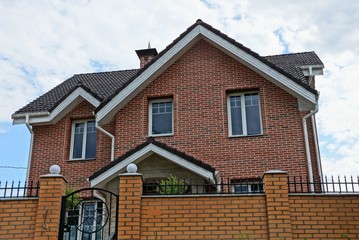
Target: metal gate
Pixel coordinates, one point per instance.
(89, 214)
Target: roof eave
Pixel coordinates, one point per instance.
(99, 180)
(62, 108)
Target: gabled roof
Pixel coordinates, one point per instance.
(101, 85)
(144, 150)
(293, 63)
(115, 89)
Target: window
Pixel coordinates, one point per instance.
(245, 186)
(244, 116)
(83, 140)
(86, 221)
(161, 117)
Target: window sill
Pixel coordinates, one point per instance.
(161, 135)
(244, 136)
(80, 159)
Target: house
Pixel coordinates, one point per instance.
(204, 108)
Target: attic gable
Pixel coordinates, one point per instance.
(200, 30)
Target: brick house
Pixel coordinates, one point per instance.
(204, 108)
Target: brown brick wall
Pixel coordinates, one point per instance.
(324, 217)
(17, 219)
(198, 83)
(216, 217)
(52, 146)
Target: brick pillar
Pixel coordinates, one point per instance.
(276, 190)
(129, 215)
(52, 188)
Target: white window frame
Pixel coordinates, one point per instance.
(95, 203)
(243, 109)
(248, 187)
(150, 116)
(83, 155)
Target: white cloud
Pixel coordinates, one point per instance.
(44, 42)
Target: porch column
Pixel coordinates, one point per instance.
(276, 191)
(129, 215)
(52, 188)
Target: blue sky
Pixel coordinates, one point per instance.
(45, 42)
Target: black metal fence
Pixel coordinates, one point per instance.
(327, 185)
(19, 190)
(190, 187)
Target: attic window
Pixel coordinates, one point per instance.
(83, 140)
(161, 117)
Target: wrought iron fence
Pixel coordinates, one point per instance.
(190, 187)
(327, 185)
(19, 190)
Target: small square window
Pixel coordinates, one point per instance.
(244, 117)
(83, 140)
(161, 117)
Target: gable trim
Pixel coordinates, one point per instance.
(108, 111)
(141, 155)
(146, 77)
(64, 107)
(258, 66)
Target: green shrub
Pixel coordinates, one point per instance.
(172, 185)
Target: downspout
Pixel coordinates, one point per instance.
(112, 140)
(316, 144)
(307, 147)
(27, 118)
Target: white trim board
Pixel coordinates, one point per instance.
(141, 155)
(105, 114)
(60, 111)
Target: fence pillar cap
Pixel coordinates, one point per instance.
(275, 171)
(50, 175)
(129, 174)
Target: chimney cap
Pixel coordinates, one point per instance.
(147, 52)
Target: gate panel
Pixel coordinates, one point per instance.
(89, 214)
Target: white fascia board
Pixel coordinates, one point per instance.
(259, 67)
(146, 77)
(61, 110)
(141, 155)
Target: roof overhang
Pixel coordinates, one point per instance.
(107, 112)
(63, 108)
(140, 155)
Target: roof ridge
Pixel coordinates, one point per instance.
(124, 70)
(287, 54)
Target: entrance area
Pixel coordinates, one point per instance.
(89, 214)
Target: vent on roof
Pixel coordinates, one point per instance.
(146, 55)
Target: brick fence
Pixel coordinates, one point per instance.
(272, 215)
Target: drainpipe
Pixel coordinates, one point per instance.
(27, 118)
(112, 140)
(307, 148)
(316, 144)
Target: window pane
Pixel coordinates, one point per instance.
(91, 140)
(162, 123)
(252, 114)
(162, 118)
(78, 140)
(236, 115)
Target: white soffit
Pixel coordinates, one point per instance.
(141, 155)
(60, 111)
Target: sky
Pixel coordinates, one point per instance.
(42, 43)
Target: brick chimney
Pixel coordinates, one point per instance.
(146, 55)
